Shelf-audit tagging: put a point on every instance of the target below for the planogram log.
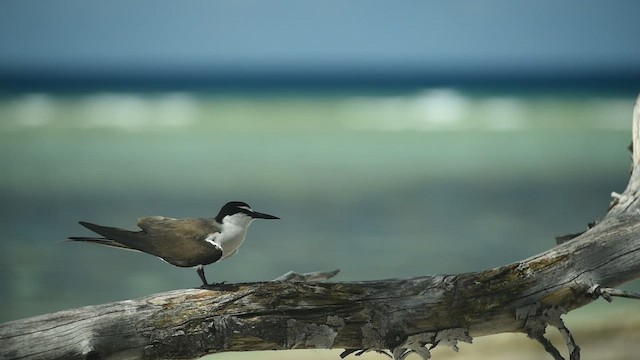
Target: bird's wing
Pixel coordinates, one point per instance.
(179, 242)
(170, 227)
(152, 224)
(180, 237)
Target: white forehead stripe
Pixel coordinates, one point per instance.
(245, 207)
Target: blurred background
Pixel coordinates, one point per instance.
(393, 139)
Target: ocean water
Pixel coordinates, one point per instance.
(379, 184)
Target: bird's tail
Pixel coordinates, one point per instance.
(116, 237)
(99, 241)
(111, 236)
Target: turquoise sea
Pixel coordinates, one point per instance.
(379, 184)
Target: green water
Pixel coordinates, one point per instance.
(377, 185)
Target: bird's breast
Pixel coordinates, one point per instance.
(230, 239)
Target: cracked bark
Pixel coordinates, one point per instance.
(400, 316)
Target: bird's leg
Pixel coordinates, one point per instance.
(200, 271)
(205, 284)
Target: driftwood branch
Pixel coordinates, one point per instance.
(609, 293)
(399, 316)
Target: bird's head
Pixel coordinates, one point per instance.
(240, 213)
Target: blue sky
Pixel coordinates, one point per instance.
(253, 35)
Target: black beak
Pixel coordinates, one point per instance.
(257, 215)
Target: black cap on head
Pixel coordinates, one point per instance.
(234, 207)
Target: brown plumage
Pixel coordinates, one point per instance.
(180, 242)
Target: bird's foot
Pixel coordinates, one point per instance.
(212, 285)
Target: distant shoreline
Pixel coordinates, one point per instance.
(68, 81)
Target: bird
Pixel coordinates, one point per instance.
(183, 242)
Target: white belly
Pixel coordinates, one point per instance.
(230, 239)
